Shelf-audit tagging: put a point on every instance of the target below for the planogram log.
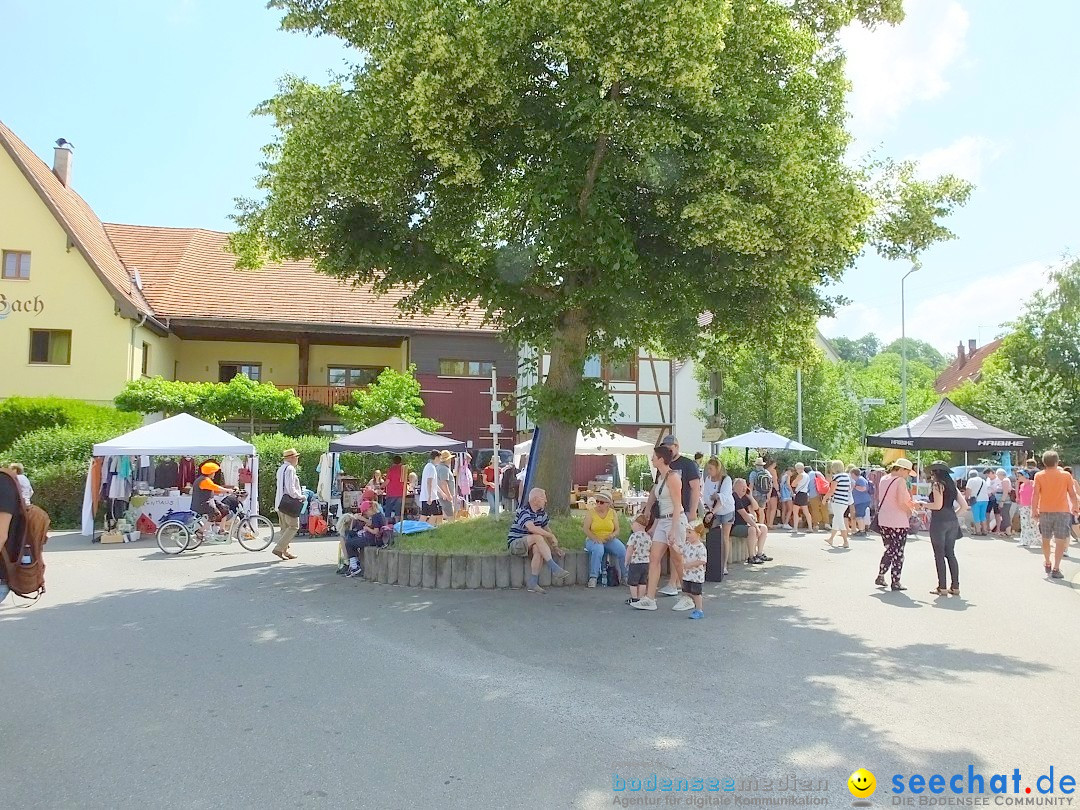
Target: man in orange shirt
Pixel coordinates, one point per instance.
(1053, 505)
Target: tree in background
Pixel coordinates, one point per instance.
(857, 350)
(920, 351)
(1032, 402)
(588, 172)
(881, 379)
(238, 399)
(394, 393)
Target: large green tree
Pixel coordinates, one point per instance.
(394, 393)
(240, 398)
(592, 174)
(918, 350)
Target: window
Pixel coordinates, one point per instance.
(465, 368)
(620, 370)
(351, 376)
(145, 358)
(226, 371)
(50, 347)
(16, 265)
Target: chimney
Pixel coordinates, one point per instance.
(971, 348)
(62, 155)
(961, 358)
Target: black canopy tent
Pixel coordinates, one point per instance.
(947, 427)
(395, 436)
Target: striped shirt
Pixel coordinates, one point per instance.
(842, 492)
(525, 514)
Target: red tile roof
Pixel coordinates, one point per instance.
(188, 273)
(966, 368)
(80, 223)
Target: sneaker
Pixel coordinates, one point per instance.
(764, 558)
(753, 561)
(1056, 574)
(355, 572)
(785, 526)
(1047, 567)
(535, 589)
(632, 601)
(342, 569)
(562, 576)
(697, 614)
(644, 603)
(684, 603)
(667, 590)
(592, 582)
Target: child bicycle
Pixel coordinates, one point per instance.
(180, 531)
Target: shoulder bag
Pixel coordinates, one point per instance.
(288, 505)
(874, 525)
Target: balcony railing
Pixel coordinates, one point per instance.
(322, 394)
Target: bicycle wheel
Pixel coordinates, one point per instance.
(198, 533)
(173, 537)
(255, 533)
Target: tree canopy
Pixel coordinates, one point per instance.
(394, 393)
(240, 398)
(593, 175)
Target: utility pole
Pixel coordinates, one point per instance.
(903, 349)
(496, 428)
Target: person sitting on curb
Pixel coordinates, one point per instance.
(746, 525)
(602, 536)
(366, 530)
(529, 537)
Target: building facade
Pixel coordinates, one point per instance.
(87, 306)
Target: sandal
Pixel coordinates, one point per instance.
(954, 590)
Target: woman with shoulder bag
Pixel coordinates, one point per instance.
(665, 504)
(894, 519)
(289, 503)
(719, 501)
(945, 505)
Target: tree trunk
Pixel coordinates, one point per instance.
(555, 463)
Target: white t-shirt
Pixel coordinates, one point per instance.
(979, 489)
(692, 552)
(721, 490)
(637, 547)
(429, 484)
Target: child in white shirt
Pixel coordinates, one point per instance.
(637, 555)
(694, 559)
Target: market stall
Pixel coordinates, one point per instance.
(145, 472)
(947, 427)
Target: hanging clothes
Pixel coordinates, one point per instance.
(230, 470)
(167, 474)
(186, 472)
(95, 483)
(326, 476)
(144, 472)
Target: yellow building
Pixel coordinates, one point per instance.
(87, 306)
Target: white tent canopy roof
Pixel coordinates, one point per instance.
(178, 435)
(600, 443)
(761, 439)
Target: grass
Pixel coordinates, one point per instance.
(485, 535)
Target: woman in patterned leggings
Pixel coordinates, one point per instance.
(894, 513)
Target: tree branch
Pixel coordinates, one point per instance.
(600, 151)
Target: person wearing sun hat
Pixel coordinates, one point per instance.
(288, 483)
(894, 514)
(602, 537)
(444, 480)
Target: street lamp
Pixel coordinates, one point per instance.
(903, 349)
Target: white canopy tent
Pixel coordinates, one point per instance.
(601, 443)
(178, 435)
(761, 439)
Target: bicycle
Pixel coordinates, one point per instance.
(180, 531)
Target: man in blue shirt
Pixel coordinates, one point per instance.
(529, 537)
(862, 499)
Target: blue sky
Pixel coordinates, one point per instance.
(156, 98)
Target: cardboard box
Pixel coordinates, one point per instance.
(112, 537)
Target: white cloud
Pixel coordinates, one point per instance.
(965, 157)
(975, 308)
(892, 67)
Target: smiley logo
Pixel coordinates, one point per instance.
(862, 784)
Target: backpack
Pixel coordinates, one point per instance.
(25, 579)
(821, 486)
(763, 484)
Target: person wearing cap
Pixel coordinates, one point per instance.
(894, 518)
(444, 477)
(366, 530)
(288, 483)
(602, 537)
(203, 490)
(978, 495)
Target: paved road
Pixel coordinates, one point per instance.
(223, 678)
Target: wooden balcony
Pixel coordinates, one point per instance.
(328, 395)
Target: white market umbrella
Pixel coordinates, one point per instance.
(761, 439)
(600, 443)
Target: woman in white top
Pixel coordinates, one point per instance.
(25, 489)
(841, 496)
(667, 494)
(719, 503)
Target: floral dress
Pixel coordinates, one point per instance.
(1029, 531)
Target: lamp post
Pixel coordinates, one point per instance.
(903, 349)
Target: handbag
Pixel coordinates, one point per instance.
(288, 505)
(973, 499)
(874, 525)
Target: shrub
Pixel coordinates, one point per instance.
(270, 446)
(58, 489)
(21, 415)
(55, 445)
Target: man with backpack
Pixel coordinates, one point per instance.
(761, 484)
(25, 530)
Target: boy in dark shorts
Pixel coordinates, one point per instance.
(694, 559)
(637, 555)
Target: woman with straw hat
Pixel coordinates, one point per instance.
(894, 516)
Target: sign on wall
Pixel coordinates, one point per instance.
(26, 306)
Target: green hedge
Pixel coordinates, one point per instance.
(56, 445)
(58, 489)
(270, 446)
(22, 415)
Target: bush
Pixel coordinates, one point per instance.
(21, 415)
(270, 446)
(55, 445)
(58, 489)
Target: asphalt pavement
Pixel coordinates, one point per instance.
(224, 678)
